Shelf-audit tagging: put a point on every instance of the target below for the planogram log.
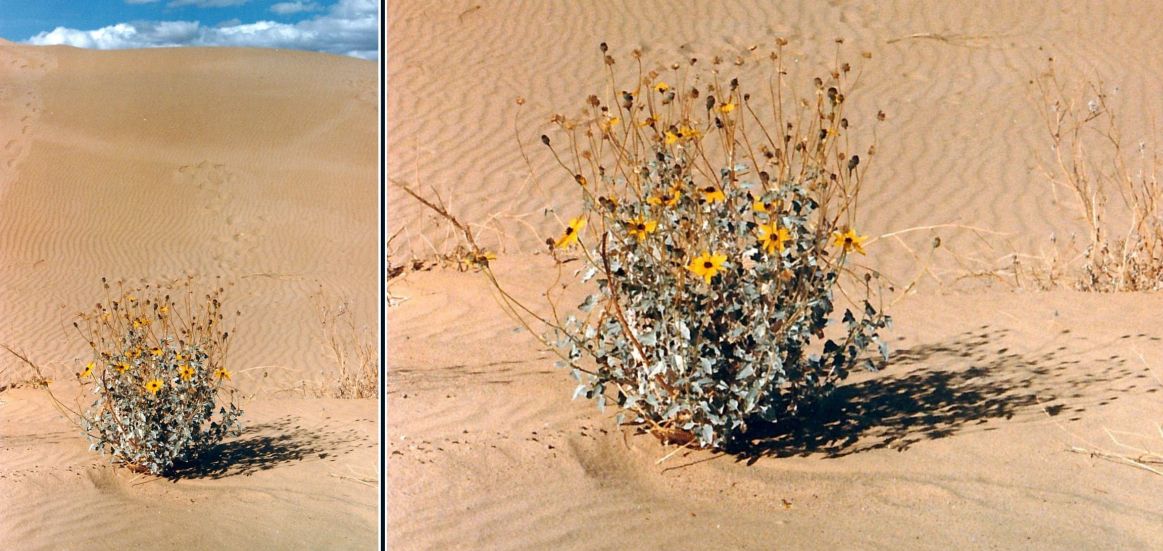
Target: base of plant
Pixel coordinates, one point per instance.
(135, 468)
(675, 436)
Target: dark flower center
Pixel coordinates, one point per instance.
(708, 265)
(569, 230)
(641, 227)
(710, 189)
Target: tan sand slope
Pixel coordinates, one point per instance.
(258, 167)
(964, 439)
(960, 144)
(301, 476)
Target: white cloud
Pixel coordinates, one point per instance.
(350, 27)
(206, 3)
(288, 8)
(141, 1)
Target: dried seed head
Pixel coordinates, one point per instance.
(609, 60)
(545, 139)
(853, 162)
(603, 47)
(710, 102)
(880, 115)
(845, 67)
(843, 123)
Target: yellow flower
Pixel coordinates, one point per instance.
(153, 385)
(155, 352)
(712, 194)
(707, 265)
(668, 199)
(639, 227)
(849, 240)
(688, 132)
(163, 310)
(671, 138)
(727, 107)
(185, 372)
(136, 324)
(122, 367)
(662, 87)
(648, 121)
(610, 123)
(131, 298)
(88, 369)
(482, 259)
(773, 238)
(222, 373)
(571, 232)
(134, 353)
(759, 206)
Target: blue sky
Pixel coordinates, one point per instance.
(344, 27)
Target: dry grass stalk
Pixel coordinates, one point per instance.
(1092, 163)
(356, 360)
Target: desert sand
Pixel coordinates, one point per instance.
(964, 440)
(256, 167)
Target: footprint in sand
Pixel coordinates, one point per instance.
(236, 235)
(19, 101)
(362, 89)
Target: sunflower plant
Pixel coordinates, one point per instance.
(158, 374)
(718, 231)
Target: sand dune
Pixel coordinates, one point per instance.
(963, 441)
(256, 167)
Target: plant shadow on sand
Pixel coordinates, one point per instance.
(265, 446)
(944, 389)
